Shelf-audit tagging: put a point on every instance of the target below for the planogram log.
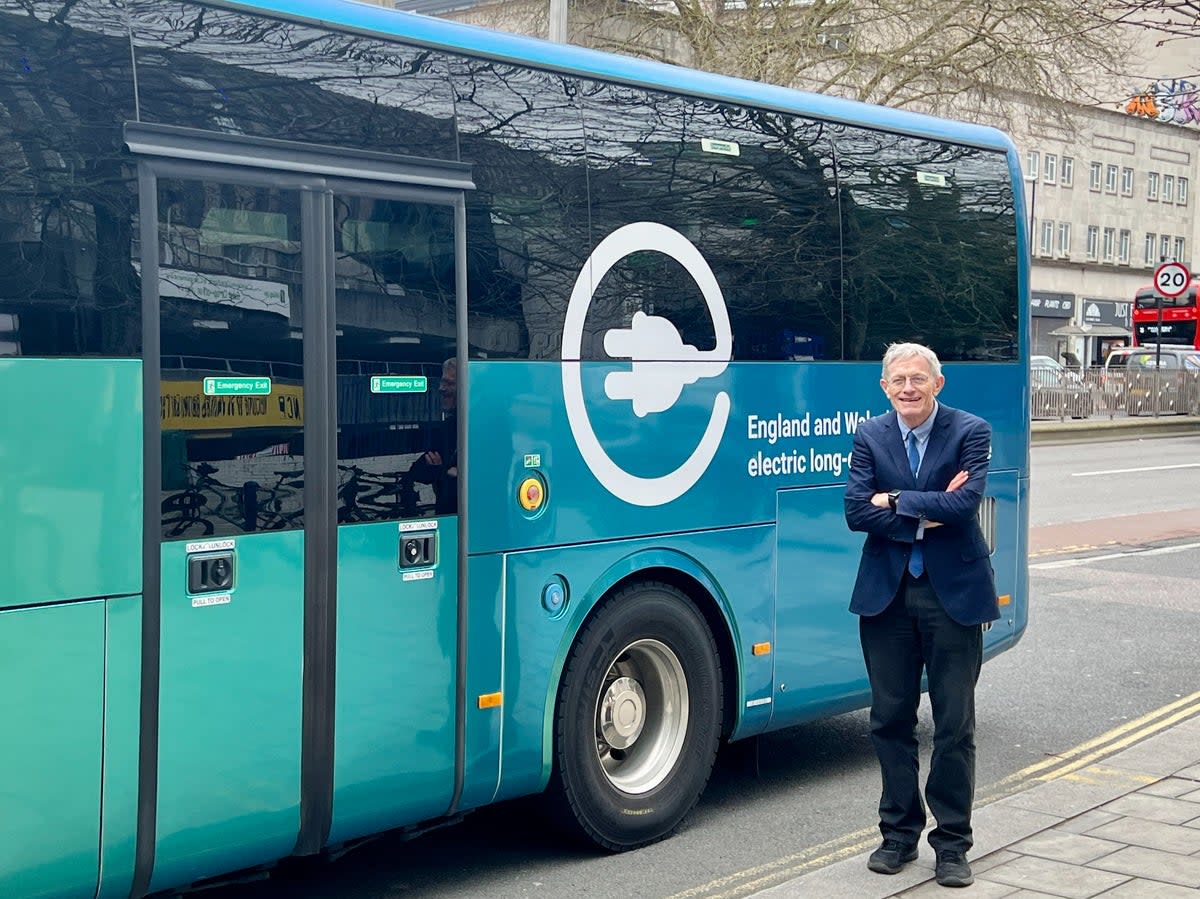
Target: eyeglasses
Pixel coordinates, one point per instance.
(898, 381)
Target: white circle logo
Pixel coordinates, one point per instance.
(662, 364)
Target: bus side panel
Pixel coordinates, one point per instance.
(737, 564)
(229, 732)
(70, 486)
(485, 646)
(122, 698)
(819, 667)
(52, 669)
(1003, 487)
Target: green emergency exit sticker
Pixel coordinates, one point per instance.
(399, 384)
(237, 386)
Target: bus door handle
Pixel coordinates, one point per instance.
(418, 550)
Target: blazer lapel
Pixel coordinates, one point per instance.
(936, 447)
(896, 448)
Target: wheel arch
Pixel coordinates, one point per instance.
(678, 570)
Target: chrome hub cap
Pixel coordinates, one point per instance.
(641, 716)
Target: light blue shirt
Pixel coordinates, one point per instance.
(923, 430)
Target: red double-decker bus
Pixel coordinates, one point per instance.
(1177, 325)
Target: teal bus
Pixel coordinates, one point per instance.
(402, 417)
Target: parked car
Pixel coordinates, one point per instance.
(1057, 392)
(1176, 389)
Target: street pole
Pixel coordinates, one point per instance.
(558, 21)
(1158, 302)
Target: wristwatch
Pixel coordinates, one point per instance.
(893, 495)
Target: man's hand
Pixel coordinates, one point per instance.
(433, 457)
(881, 500)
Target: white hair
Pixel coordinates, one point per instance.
(897, 351)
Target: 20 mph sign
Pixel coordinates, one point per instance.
(1172, 278)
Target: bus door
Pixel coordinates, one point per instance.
(234, 259)
(302, 656)
(396, 271)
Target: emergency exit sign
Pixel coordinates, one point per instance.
(237, 386)
(399, 384)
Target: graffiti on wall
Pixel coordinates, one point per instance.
(1176, 101)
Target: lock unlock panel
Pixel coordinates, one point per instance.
(210, 572)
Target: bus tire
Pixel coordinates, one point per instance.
(638, 719)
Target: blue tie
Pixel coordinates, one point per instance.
(916, 562)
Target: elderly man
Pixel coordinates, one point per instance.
(924, 594)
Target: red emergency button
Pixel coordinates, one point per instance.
(531, 494)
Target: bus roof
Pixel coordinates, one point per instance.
(346, 15)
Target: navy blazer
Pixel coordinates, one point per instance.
(956, 555)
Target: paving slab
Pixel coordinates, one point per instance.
(1088, 821)
(1172, 787)
(1152, 864)
(1150, 834)
(1152, 808)
(1066, 847)
(1150, 889)
(1055, 878)
(1164, 754)
(1065, 799)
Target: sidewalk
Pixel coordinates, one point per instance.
(1096, 429)
(1126, 826)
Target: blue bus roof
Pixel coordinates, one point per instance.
(474, 40)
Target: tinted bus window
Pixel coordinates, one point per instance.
(930, 247)
(527, 220)
(754, 191)
(397, 452)
(67, 199)
(231, 286)
(268, 78)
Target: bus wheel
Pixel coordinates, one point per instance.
(638, 718)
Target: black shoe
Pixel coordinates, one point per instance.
(952, 869)
(891, 857)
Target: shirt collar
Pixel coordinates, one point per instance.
(922, 430)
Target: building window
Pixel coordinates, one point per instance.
(1064, 238)
(1095, 176)
(1093, 241)
(1168, 188)
(1110, 179)
(1047, 243)
(1123, 245)
(1050, 168)
(1164, 247)
(1151, 243)
(1127, 182)
(1152, 185)
(1031, 165)
(1110, 240)
(1182, 188)
(1066, 172)
(1180, 246)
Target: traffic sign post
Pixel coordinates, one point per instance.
(1171, 279)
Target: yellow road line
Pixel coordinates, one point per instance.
(1064, 765)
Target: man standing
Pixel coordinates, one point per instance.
(924, 593)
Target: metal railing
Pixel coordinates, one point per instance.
(1094, 393)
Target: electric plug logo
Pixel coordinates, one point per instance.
(662, 364)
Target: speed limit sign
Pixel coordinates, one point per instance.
(1172, 278)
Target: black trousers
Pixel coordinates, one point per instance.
(914, 634)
